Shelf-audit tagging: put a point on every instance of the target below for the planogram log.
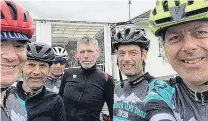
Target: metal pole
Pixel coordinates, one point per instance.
(129, 9)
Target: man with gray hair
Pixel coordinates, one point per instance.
(86, 89)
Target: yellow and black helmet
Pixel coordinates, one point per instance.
(168, 13)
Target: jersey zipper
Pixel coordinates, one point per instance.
(202, 97)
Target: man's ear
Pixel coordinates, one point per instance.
(144, 54)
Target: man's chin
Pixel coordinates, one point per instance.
(58, 74)
(87, 66)
(129, 74)
(36, 88)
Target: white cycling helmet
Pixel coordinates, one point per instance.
(60, 52)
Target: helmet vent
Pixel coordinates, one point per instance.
(190, 2)
(119, 35)
(159, 21)
(154, 12)
(26, 16)
(188, 14)
(48, 51)
(165, 5)
(177, 3)
(2, 15)
(199, 11)
(59, 49)
(157, 2)
(127, 32)
(38, 48)
(12, 10)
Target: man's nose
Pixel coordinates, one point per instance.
(36, 69)
(86, 54)
(189, 45)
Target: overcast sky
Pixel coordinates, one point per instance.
(86, 10)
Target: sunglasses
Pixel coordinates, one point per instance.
(62, 61)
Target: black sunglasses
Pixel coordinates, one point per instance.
(62, 61)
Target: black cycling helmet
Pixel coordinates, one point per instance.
(40, 51)
(131, 35)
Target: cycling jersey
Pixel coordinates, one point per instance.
(4, 114)
(53, 84)
(174, 101)
(128, 101)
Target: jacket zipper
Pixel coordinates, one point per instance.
(80, 96)
(82, 91)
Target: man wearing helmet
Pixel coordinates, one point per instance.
(86, 89)
(183, 27)
(132, 47)
(16, 30)
(36, 103)
(57, 69)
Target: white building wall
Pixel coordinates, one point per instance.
(155, 65)
(43, 32)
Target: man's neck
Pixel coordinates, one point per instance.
(89, 70)
(54, 77)
(198, 88)
(27, 89)
(132, 78)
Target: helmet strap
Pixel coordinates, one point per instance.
(120, 76)
(206, 83)
(3, 89)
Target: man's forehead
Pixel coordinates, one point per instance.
(14, 41)
(87, 47)
(128, 47)
(36, 62)
(189, 26)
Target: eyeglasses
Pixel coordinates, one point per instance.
(130, 53)
(62, 61)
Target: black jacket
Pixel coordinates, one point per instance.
(43, 106)
(84, 92)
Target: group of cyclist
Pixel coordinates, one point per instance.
(48, 93)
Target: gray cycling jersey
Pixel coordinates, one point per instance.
(4, 114)
(15, 106)
(128, 101)
(175, 102)
(53, 84)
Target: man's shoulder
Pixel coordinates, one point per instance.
(11, 91)
(103, 75)
(50, 94)
(148, 77)
(160, 90)
(157, 83)
(71, 70)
